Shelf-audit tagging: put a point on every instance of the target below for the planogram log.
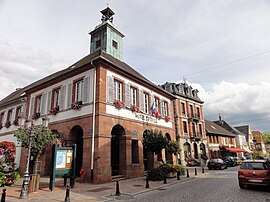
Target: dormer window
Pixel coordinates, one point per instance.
(114, 44)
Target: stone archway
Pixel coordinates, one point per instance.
(187, 150)
(76, 134)
(148, 156)
(168, 155)
(195, 147)
(118, 159)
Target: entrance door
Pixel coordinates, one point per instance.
(77, 138)
(196, 156)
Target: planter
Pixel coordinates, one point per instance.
(171, 175)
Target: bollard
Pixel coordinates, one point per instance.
(187, 174)
(165, 179)
(195, 171)
(178, 175)
(202, 170)
(67, 198)
(147, 182)
(3, 198)
(117, 192)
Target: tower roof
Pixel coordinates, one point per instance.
(107, 14)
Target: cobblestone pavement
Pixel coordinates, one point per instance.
(215, 186)
(128, 188)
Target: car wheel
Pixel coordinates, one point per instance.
(241, 186)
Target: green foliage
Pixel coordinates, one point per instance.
(40, 137)
(154, 141)
(257, 155)
(155, 174)
(266, 137)
(173, 147)
(16, 176)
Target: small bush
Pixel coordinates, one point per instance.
(155, 174)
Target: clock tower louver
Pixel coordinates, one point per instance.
(106, 36)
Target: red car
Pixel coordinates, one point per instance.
(254, 172)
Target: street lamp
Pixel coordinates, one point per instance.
(31, 133)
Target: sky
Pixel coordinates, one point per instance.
(222, 47)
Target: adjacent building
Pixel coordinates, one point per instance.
(189, 121)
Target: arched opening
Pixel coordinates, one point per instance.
(148, 156)
(202, 148)
(168, 155)
(117, 145)
(187, 150)
(195, 146)
(76, 135)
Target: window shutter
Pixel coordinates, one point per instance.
(69, 95)
(32, 106)
(49, 101)
(12, 118)
(127, 95)
(161, 108)
(43, 103)
(62, 97)
(169, 110)
(22, 111)
(86, 91)
(141, 99)
(110, 89)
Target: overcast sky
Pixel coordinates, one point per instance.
(222, 47)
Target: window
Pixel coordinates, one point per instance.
(114, 44)
(146, 102)
(118, 90)
(165, 108)
(156, 104)
(38, 104)
(135, 151)
(133, 93)
(198, 112)
(78, 88)
(200, 129)
(98, 43)
(8, 123)
(183, 109)
(191, 113)
(55, 98)
(185, 127)
(193, 129)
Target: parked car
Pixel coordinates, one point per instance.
(229, 161)
(216, 163)
(254, 172)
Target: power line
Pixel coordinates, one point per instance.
(229, 63)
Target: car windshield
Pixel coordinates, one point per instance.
(255, 166)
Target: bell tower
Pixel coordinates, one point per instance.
(106, 36)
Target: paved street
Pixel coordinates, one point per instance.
(214, 186)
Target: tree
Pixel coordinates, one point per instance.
(154, 141)
(266, 137)
(41, 137)
(173, 147)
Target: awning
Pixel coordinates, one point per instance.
(237, 149)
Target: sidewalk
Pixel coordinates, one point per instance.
(95, 192)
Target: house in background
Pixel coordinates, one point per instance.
(221, 142)
(189, 121)
(249, 138)
(241, 148)
(258, 141)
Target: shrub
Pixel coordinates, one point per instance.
(155, 174)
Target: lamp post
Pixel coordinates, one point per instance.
(24, 192)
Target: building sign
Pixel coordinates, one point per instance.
(63, 162)
(147, 118)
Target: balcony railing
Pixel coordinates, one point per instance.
(194, 116)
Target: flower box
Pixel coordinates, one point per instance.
(55, 110)
(119, 104)
(76, 105)
(36, 115)
(167, 119)
(134, 108)
(16, 122)
(7, 124)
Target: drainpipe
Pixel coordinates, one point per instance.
(93, 122)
